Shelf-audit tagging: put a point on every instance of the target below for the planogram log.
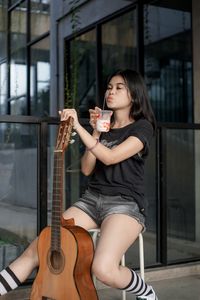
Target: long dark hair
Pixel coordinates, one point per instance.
(141, 107)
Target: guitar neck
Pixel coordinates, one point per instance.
(57, 201)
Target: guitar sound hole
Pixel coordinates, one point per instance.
(56, 261)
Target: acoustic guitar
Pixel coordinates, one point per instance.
(65, 251)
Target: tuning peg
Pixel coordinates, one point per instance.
(71, 141)
(73, 133)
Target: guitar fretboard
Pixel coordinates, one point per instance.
(57, 200)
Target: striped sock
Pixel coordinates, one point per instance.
(8, 281)
(137, 286)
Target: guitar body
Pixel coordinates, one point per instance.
(82, 272)
(65, 275)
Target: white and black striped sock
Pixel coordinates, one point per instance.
(8, 281)
(137, 286)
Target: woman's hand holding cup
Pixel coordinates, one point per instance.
(94, 115)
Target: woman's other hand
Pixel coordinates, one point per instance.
(94, 114)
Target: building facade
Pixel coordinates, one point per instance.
(57, 54)
(159, 39)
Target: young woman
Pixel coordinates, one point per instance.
(114, 199)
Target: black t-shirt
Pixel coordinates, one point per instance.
(125, 178)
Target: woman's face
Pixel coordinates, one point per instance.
(117, 94)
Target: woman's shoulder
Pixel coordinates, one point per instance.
(142, 123)
(141, 127)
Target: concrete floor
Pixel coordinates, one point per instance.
(183, 288)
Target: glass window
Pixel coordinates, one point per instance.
(3, 25)
(81, 85)
(82, 79)
(183, 167)
(39, 17)
(40, 78)
(168, 60)
(12, 2)
(3, 88)
(150, 235)
(119, 43)
(18, 67)
(18, 188)
(3, 65)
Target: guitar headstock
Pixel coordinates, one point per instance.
(64, 134)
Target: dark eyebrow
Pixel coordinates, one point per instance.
(117, 83)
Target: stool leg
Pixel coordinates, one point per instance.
(95, 233)
(123, 263)
(141, 255)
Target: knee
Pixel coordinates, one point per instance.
(104, 271)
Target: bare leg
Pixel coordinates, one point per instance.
(118, 232)
(80, 218)
(24, 264)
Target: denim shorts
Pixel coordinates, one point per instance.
(99, 206)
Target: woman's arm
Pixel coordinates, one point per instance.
(88, 160)
(128, 148)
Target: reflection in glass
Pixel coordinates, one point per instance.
(40, 78)
(18, 69)
(119, 43)
(18, 188)
(39, 17)
(3, 88)
(81, 85)
(150, 235)
(13, 2)
(168, 61)
(3, 24)
(82, 79)
(182, 169)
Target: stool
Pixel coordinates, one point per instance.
(96, 232)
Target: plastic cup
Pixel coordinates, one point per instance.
(103, 121)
